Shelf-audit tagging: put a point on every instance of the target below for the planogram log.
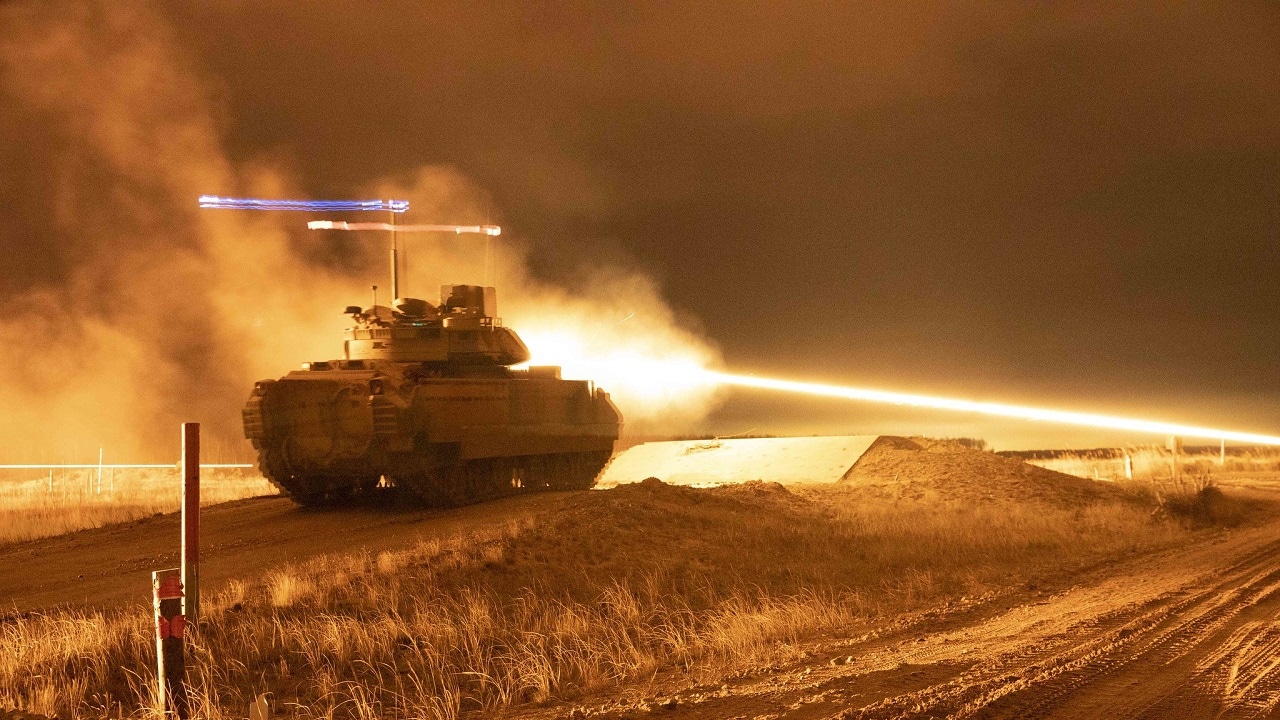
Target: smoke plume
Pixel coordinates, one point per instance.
(611, 326)
(136, 311)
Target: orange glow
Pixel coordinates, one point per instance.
(643, 383)
(656, 378)
(989, 408)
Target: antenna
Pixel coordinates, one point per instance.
(214, 202)
(488, 259)
(395, 262)
(488, 253)
(456, 229)
(487, 230)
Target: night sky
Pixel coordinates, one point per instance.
(1069, 204)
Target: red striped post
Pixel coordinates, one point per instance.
(171, 667)
(191, 519)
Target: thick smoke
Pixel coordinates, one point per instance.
(141, 311)
(612, 326)
(159, 313)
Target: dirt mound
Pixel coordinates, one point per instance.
(690, 536)
(763, 487)
(750, 492)
(915, 467)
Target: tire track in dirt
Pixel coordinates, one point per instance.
(1148, 647)
(111, 566)
(1192, 632)
(1245, 670)
(1131, 661)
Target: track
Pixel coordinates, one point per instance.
(111, 566)
(1192, 633)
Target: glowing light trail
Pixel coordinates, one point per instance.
(990, 408)
(644, 379)
(457, 229)
(213, 202)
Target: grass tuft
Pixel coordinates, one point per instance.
(80, 500)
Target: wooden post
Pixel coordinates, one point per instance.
(1175, 446)
(171, 670)
(1128, 466)
(191, 520)
(1222, 450)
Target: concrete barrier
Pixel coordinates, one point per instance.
(706, 463)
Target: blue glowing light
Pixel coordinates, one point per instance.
(223, 203)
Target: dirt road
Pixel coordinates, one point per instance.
(1193, 633)
(111, 566)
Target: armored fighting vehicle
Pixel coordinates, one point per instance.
(424, 399)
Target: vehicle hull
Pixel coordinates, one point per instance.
(324, 435)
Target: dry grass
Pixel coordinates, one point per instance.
(78, 500)
(1155, 463)
(624, 584)
(1193, 492)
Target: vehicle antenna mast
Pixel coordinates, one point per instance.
(214, 202)
(393, 228)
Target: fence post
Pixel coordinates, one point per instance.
(171, 667)
(191, 520)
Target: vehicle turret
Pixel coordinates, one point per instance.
(461, 331)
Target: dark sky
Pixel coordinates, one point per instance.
(1071, 204)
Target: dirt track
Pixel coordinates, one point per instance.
(112, 565)
(1189, 633)
(1193, 633)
